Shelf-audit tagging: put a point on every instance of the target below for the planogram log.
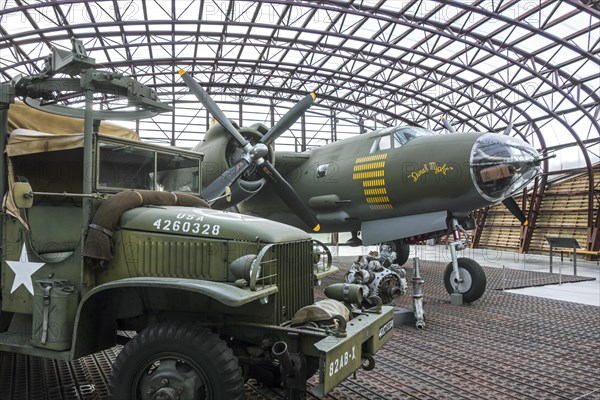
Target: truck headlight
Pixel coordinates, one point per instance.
(241, 268)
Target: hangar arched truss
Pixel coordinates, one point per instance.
(479, 64)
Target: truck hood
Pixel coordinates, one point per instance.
(205, 222)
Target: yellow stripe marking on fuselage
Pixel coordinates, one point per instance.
(368, 175)
(381, 206)
(371, 158)
(375, 192)
(374, 183)
(365, 167)
(379, 199)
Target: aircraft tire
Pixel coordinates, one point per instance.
(175, 357)
(402, 251)
(474, 280)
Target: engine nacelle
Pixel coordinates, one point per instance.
(221, 151)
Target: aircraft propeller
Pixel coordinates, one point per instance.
(256, 153)
(515, 210)
(510, 202)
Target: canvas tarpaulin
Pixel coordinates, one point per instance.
(22, 116)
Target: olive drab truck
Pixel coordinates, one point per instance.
(103, 234)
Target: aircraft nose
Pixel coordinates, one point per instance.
(501, 165)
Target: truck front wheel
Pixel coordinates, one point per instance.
(175, 360)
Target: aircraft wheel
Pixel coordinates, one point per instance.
(175, 360)
(402, 251)
(474, 281)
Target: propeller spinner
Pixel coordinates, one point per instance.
(255, 154)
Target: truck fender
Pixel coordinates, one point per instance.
(95, 324)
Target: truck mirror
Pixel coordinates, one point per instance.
(22, 194)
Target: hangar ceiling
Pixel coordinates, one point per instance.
(479, 64)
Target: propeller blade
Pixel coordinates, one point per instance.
(289, 196)
(289, 119)
(515, 210)
(241, 190)
(218, 187)
(211, 106)
(448, 125)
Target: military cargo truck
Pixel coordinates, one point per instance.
(103, 235)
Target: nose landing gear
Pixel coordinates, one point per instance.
(463, 275)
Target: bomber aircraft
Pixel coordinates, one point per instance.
(398, 185)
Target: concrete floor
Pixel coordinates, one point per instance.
(581, 292)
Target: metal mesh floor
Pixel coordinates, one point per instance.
(504, 346)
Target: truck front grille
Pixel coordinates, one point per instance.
(294, 278)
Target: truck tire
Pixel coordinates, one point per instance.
(474, 280)
(179, 360)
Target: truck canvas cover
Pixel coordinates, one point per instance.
(21, 116)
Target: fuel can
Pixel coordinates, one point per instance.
(54, 310)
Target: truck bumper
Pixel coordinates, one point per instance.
(342, 356)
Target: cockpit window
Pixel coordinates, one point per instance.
(406, 134)
(398, 137)
(383, 141)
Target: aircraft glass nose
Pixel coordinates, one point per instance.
(501, 165)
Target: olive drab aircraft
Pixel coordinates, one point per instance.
(397, 185)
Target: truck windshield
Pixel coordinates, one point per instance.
(125, 166)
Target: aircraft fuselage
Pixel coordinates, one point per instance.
(395, 173)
